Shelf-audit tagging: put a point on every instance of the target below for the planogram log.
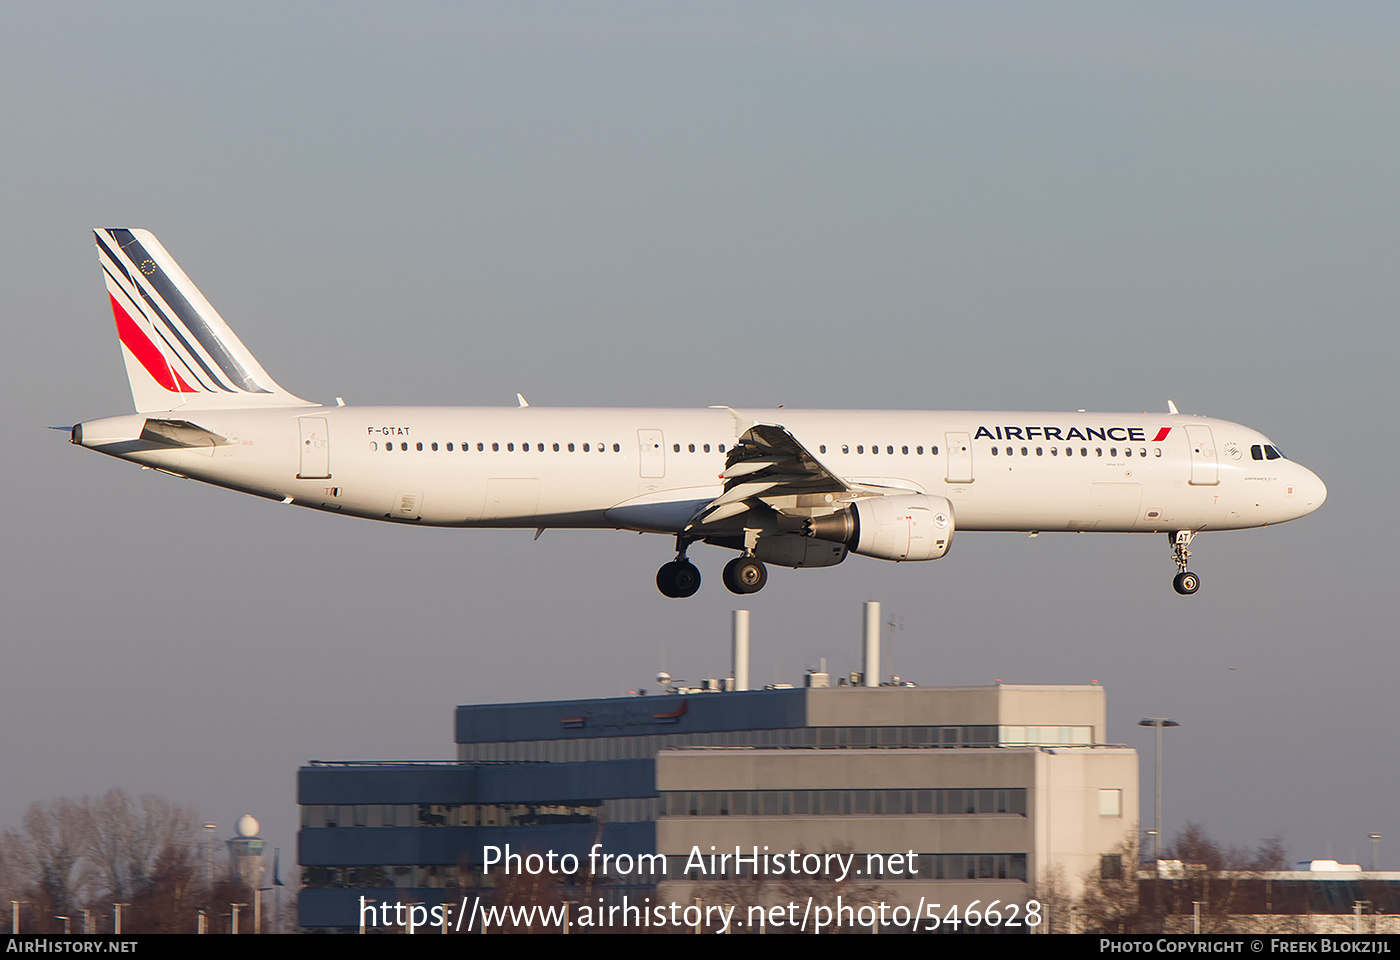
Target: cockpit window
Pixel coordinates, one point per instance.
(1266, 451)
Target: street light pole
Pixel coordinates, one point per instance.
(209, 829)
(1159, 723)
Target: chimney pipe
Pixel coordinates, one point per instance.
(740, 665)
(870, 667)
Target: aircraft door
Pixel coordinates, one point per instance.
(315, 449)
(959, 457)
(1205, 469)
(652, 448)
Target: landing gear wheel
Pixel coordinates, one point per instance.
(745, 575)
(678, 579)
(1186, 583)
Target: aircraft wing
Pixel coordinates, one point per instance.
(768, 461)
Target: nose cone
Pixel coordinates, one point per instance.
(1311, 491)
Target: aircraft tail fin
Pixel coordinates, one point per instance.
(179, 353)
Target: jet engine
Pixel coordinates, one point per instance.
(910, 526)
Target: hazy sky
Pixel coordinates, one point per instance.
(898, 205)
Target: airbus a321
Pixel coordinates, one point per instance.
(794, 488)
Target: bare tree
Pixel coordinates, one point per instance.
(1110, 902)
(1223, 883)
(744, 893)
(1194, 845)
(46, 859)
(542, 889)
(1269, 855)
(826, 888)
(125, 839)
(1055, 897)
(11, 880)
(165, 902)
(77, 854)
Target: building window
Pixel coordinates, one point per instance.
(886, 803)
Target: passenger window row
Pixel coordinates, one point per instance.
(496, 447)
(888, 449)
(1069, 451)
(1258, 451)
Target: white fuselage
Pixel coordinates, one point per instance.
(797, 488)
(651, 469)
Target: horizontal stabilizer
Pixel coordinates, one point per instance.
(180, 433)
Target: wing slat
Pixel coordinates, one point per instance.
(767, 462)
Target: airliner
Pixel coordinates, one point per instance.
(792, 488)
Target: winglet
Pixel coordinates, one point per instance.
(1171, 407)
(523, 401)
(741, 423)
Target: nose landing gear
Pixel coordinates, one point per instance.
(1185, 582)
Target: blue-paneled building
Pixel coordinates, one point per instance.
(956, 776)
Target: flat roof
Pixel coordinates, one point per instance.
(995, 704)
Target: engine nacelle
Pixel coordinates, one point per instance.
(795, 550)
(910, 526)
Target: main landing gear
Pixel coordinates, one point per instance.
(745, 575)
(680, 578)
(1185, 582)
